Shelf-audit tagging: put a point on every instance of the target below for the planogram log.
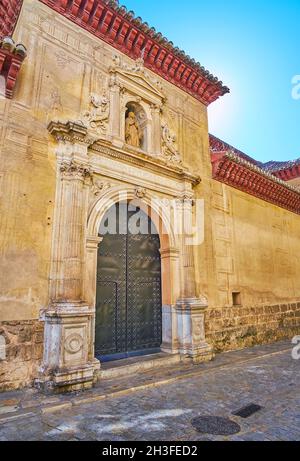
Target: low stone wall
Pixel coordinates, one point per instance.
(231, 328)
(23, 353)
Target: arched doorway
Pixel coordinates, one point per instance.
(128, 295)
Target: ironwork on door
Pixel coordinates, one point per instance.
(128, 306)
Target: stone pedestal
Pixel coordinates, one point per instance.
(66, 365)
(191, 329)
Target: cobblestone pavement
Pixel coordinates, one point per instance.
(165, 413)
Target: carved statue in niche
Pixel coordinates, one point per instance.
(97, 117)
(133, 132)
(169, 146)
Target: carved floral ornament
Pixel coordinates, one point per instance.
(140, 192)
(99, 186)
(73, 343)
(97, 117)
(169, 145)
(74, 170)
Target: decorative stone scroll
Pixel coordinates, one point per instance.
(97, 117)
(169, 145)
(140, 192)
(98, 187)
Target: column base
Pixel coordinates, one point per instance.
(203, 353)
(191, 329)
(70, 380)
(67, 364)
(169, 330)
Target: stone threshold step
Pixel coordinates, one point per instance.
(134, 365)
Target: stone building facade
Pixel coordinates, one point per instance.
(97, 109)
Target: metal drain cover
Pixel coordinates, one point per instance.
(215, 425)
(247, 411)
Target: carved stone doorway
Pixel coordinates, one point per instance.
(128, 300)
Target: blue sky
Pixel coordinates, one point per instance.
(254, 48)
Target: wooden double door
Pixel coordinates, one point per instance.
(129, 305)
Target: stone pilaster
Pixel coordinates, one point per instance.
(156, 129)
(115, 105)
(170, 281)
(67, 362)
(190, 308)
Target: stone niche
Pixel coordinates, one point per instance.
(134, 91)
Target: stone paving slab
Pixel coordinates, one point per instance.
(17, 403)
(266, 375)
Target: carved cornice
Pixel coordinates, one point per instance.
(70, 131)
(146, 161)
(118, 27)
(11, 59)
(234, 171)
(77, 133)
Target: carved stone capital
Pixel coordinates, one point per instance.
(156, 108)
(186, 200)
(92, 243)
(192, 305)
(71, 170)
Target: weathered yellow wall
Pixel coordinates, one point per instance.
(255, 252)
(256, 246)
